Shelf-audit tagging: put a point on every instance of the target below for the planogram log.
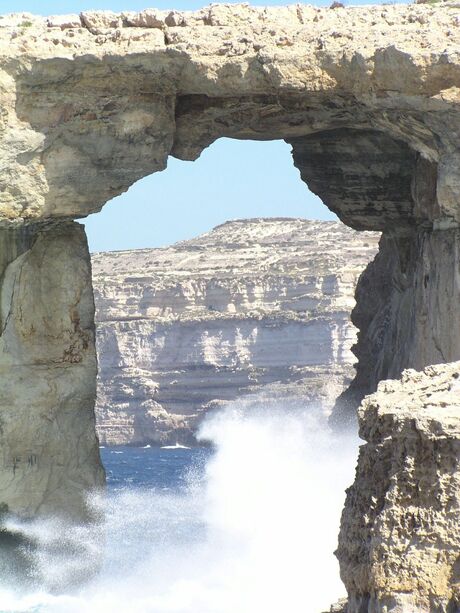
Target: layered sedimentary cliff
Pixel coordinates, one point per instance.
(259, 305)
(399, 545)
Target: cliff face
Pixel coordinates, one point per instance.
(254, 305)
(399, 543)
(407, 309)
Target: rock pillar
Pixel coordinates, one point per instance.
(49, 455)
(407, 307)
(399, 543)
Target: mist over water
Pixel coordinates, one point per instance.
(252, 528)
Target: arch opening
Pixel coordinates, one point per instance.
(228, 181)
(226, 298)
(334, 332)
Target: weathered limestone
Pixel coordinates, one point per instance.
(258, 305)
(407, 308)
(89, 108)
(369, 98)
(399, 544)
(49, 454)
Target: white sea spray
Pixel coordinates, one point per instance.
(255, 534)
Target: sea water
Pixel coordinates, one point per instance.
(247, 524)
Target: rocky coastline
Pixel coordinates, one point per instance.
(368, 97)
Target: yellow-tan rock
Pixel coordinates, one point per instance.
(399, 544)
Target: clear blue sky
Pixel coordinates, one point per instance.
(49, 7)
(231, 179)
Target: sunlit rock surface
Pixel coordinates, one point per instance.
(259, 305)
(49, 453)
(399, 545)
(92, 103)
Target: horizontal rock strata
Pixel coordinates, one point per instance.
(252, 306)
(399, 545)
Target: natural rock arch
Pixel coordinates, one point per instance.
(369, 100)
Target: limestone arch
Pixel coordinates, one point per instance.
(91, 104)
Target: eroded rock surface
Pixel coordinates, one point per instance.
(407, 309)
(258, 305)
(369, 99)
(367, 96)
(49, 453)
(91, 103)
(399, 545)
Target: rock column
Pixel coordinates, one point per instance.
(49, 458)
(407, 307)
(399, 544)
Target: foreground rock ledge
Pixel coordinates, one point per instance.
(399, 545)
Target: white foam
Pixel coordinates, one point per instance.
(176, 446)
(257, 534)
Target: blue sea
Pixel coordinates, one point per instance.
(153, 468)
(246, 525)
